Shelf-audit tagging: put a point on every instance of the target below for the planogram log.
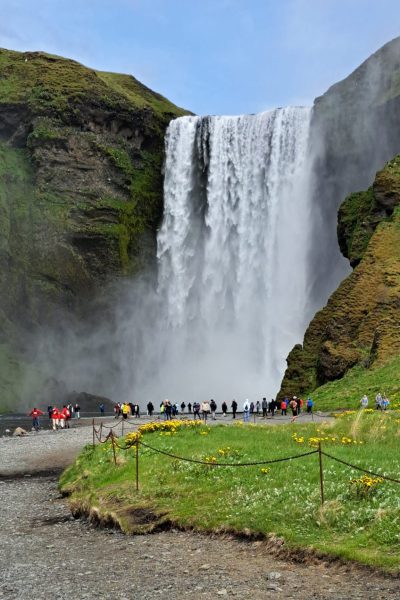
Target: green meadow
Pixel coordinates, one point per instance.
(359, 520)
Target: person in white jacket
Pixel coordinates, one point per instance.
(246, 410)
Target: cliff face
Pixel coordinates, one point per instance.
(360, 324)
(355, 130)
(81, 155)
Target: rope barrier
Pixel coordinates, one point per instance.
(220, 464)
(360, 468)
(113, 426)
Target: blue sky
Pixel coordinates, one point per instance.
(210, 56)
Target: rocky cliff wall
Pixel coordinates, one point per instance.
(81, 154)
(355, 130)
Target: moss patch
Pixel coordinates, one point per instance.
(359, 325)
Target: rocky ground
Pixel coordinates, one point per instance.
(48, 554)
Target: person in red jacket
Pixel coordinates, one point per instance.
(55, 418)
(35, 414)
(67, 415)
(61, 419)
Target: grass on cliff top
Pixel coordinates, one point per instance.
(347, 392)
(283, 499)
(52, 83)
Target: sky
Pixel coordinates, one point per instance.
(210, 56)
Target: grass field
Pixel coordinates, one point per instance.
(359, 521)
(347, 392)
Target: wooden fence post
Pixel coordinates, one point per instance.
(321, 473)
(137, 461)
(113, 447)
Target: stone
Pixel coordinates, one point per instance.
(273, 587)
(19, 432)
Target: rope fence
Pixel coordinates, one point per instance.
(97, 434)
(223, 464)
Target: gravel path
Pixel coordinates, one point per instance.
(45, 553)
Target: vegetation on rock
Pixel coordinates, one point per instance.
(359, 325)
(81, 153)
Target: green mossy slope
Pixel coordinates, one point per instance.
(360, 324)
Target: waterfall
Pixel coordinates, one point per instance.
(232, 253)
(230, 296)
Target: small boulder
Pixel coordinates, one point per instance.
(19, 432)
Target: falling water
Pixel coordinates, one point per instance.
(230, 295)
(232, 252)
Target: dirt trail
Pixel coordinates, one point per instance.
(45, 553)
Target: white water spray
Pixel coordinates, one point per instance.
(232, 254)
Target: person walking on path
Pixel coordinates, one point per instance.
(35, 414)
(258, 407)
(183, 406)
(67, 415)
(61, 419)
(77, 411)
(101, 407)
(234, 406)
(196, 410)
(125, 409)
(213, 407)
(224, 408)
(246, 410)
(150, 409)
(378, 401)
(310, 404)
(284, 407)
(264, 406)
(205, 410)
(55, 418)
(168, 410)
(272, 407)
(364, 401)
(293, 407)
(189, 408)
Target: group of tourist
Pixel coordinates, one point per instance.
(125, 409)
(202, 411)
(59, 418)
(381, 401)
(208, 409)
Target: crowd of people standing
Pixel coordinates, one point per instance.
(60, 418)
(208, 409)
